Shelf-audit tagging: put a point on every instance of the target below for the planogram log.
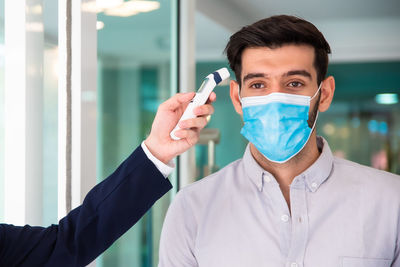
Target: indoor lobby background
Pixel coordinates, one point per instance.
(146, 52)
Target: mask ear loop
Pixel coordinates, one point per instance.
(316, 117)
(319, 88)
(240, 99)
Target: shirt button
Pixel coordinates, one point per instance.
(294, 264)
(314, 185)
(267, 179)
(284, 218)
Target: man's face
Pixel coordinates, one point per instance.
(287, 69)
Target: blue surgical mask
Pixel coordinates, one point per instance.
(277, 124)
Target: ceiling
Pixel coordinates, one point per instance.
(357, 30)
(233, 14)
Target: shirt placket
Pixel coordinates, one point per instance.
(281, 212)
(299, 223)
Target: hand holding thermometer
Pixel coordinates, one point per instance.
(201, 96)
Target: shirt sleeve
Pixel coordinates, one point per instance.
(107, 212)
(178, 236)
(165, 169)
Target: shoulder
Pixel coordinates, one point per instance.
(365, 172)
(210, 189)
(367, 176)
(219, 178)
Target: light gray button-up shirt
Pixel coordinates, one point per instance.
(342, 215)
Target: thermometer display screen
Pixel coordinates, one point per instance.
(202, 85)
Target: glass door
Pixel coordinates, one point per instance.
(135, 54)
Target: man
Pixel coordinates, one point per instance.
(288, 201)
(114, 205)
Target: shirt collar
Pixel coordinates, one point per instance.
(321, 169)
(254, 171)
(314, 176)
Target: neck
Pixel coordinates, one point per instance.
(285, 173)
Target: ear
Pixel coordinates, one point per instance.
(234, 91)
(327, 91)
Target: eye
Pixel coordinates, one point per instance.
(295, 84)
(257, 85)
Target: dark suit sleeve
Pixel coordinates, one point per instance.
(107, 212)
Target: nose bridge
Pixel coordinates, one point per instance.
(275, 85)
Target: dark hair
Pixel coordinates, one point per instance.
(274, 32)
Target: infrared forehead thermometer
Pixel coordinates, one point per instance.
(201, 96)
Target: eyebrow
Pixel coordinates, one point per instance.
(254, 75)
(289, 73)
(298, 72)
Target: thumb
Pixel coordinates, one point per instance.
(177, 100)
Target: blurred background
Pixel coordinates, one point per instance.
(138, 59)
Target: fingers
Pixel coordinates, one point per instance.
(182, 133)
(189, 135)
(199, 122)
(182, 98)
(212, 98)
(204, 110)
(176, 101)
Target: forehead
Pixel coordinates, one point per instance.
(276, 61)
